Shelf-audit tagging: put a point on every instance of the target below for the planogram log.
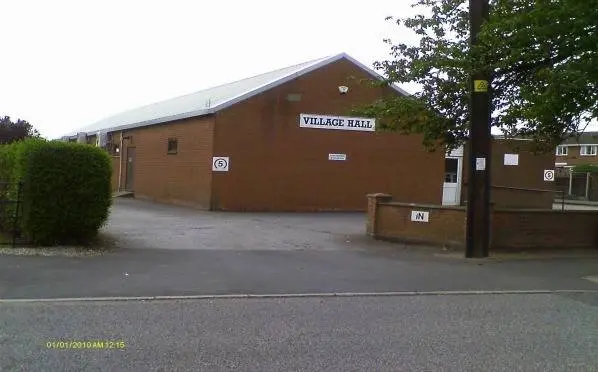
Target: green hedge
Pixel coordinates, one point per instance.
(66, 189)
(11, 166)
(585, 168)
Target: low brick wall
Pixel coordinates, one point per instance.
(512, 197)
(512, 229)
(392, 221)
(524, 229)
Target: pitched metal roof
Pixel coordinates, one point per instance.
(214, 99)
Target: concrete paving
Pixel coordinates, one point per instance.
(174, 251)
(541, 333)
(146, 225)
(575, 207)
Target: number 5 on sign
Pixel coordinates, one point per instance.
(220, 163)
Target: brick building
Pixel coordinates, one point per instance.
(578, 150)
(280, 141)
(575, 151)
(274, 162)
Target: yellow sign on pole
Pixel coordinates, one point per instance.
(480, 86)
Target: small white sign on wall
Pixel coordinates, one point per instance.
(549, 175)
(511, 159)
(337, 157)
(420, 216)
(220, 163)
(480, 164)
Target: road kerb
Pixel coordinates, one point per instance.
(301, 295)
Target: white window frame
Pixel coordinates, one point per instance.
(593, 151)
(562, 150)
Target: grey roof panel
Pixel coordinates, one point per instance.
(211, 100)
(583, 138)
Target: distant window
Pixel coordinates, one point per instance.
(588, 150)
(562, 150)
(451, 169)
(173, 146)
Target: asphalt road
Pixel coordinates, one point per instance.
(421, 333)
(212, 272)
(171, 251)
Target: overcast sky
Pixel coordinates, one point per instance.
(69, 63)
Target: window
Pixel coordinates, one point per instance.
(562, 150)
(451, 169)
(173, 146)
(587, 150)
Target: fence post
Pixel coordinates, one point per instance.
(15, 225)
(587, 185)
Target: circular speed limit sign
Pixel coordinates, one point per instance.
(549, 175)
(220, 164)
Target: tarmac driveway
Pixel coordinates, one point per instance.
(142, 224)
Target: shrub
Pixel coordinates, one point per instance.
(11, 163)
(585, 168)
(67, 191)
(66, 194)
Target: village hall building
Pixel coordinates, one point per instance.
(280, 141)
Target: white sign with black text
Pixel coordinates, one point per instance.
(420, 216)
(220, 163)
(337, 157)
(337, 122)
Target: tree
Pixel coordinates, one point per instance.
(542, 55)
(15, 131)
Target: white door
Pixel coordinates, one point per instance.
(451, 190)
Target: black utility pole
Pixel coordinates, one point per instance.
(478, 188)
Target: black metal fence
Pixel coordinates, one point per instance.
(10, 213)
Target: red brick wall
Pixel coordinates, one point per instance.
(446, 225)
(276, 165)
(512, 229)
(519, 229)
(504, 197)
(184, 178)
(529, 174)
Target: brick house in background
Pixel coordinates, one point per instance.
(581, 150)
(577, 151)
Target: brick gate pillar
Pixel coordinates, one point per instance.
(373, 201)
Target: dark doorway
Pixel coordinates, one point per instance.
(129, 184)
